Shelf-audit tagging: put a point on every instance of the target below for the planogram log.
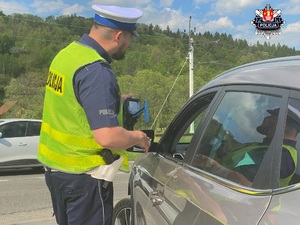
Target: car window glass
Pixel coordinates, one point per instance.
(189, 132)
(34, 129)
(191, 119)
(14, 129)
(238, 136)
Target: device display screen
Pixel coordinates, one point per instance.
(133, 107)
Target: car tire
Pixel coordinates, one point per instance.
(122, 212)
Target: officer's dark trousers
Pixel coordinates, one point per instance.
(79, 199)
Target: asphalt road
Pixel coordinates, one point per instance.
(25, 199)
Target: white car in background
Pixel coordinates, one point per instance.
(19, 139)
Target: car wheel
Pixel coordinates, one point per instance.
(122, 212)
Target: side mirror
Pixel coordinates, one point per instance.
(1, 134)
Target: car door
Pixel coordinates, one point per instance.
(153, 202)
(284, 206)
(18, 144)
(215, 179)
(13, 145)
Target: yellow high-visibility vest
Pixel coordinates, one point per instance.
(66, 141)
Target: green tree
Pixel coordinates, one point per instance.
(153, 62)
(3, 83)
(28, 91)
(6, 43)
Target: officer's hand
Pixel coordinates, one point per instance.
(125, 96)
(144, 141)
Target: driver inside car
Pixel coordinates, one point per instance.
(242, 165)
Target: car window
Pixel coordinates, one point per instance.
(238, 136)
(13, 129)
(185, 129)
(189, 132)
(34, 129)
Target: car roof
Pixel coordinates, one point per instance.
(18, 119)
(278, 72)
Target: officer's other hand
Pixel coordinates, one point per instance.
(125, 96)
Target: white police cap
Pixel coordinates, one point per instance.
(117, 17)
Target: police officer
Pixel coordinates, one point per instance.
(81, 105)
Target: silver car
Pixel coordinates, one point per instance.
(228, 157)
(19, 139)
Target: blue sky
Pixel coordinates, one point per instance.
(223, 16)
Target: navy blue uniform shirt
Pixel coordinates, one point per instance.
(96, 89)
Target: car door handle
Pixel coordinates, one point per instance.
(155, 198)
(22, 144)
